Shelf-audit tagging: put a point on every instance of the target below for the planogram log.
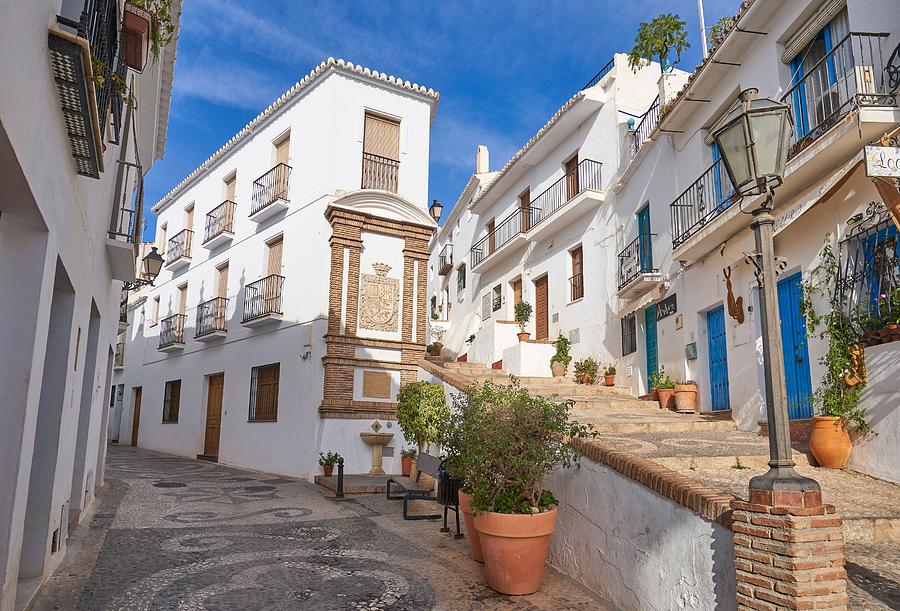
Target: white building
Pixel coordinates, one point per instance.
(72, 156)
(660, 242)
(292, 302)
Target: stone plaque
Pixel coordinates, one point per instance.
(376, 385)
(379, 299)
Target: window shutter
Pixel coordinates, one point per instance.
(274, 265)
(811, 28)
(182, 298)
(229, 188)
(222, 281)
(382, 137)
(282, 149)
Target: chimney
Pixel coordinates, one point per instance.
(481, 160)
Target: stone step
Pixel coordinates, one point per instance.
(458, 365)
(578, 390)
(677, 463)
(616, 426)
(629, 404)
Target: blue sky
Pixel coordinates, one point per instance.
(502, 67)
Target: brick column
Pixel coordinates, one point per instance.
(352, 296)
(335, 288)
(788, 557)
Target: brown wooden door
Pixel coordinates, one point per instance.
(541, 319)
(214, 396)
(572, 177)
(283, 150)
(222, 281)
(492, 242)
(136, 415)
(273, 265)
(517, 292)
(525, 210)
(229, 187)
(182, 299)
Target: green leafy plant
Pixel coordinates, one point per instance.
(435, 315)
(162, 22)
(562, 355)
(586, 371)
(834, 397)
(434, 347)
(658, 38)
(422, 412)
(328, 460)
(523, 314)
(408, 453)
(609, 370)
(502, 441)
(661, 380)
(471, 339)
(719, 30)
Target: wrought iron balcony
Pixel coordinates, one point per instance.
(603, 72)
(179, 249)
(516, 223)
(171, 331)
(644, 128)
(219, 222)
(704, 200)
(119, 362)
(380, 172)
(445, 260)
(123, 312)
(211, 317)
(576, 287)
(96, 36)
(262, 299)
(854, 73)
(271, 188)
(636, 259)
(586, 175)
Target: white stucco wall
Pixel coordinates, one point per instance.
(636, 548)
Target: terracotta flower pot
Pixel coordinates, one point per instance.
(523, 336)
(654, 394)
(829, 443)
(686, 397)
(585, 378)
(515, 548)
(558, 369)
(472, 532)
(609, 380)
(328, 469)
(666, 398)
(406, 466)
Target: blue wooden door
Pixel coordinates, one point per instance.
(793, 346)
(650, 336)
(718, 358)
(646, 251)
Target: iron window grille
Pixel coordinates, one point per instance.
(264, 393)
(629, 334)
(576, 287)
(171, 401)
(461, 278)
(497, 298)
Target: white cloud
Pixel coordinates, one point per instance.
(226, 84)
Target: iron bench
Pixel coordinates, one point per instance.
(409, 489)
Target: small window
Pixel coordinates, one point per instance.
(229, 184)
(576, 282)
(264, 393)
(162, 238)
(154, 313)
(274, 249)
(434, 310)
(461, 278)
(282, 148)
(171, 401)
(496, 298)
(629, 335)
(189, 217)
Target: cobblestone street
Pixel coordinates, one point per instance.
(173, 533)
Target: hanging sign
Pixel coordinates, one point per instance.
(666, 307)
(883, 161)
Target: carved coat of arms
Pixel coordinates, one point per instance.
(379, 298)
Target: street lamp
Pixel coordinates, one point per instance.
(435, 210)
(753, 141)
(150, 268)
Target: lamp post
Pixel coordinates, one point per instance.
(435, 210)
(151, 265)
(753, 141)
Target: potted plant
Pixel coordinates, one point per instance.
(837, 398)
(328, 461)
(147, 27)
(407, 457)
(658, 37)
(523, 315)
(654, 393)
(559, 362)
(609, 375)
(686, 396)
(665, 387)
(586, 371)
(511, 441)
(434, 348)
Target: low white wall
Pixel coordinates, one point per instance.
(490, 342)
(636, 548)
(527, 359)
(879, 455)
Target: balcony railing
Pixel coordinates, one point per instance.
(518, 222)
(123, 310)
(603, 72)
(586, 175)
(576, 287)
(125, 222)
(636, 259)
(211, 316)
(380, 172)
(263, 297)
(219, 220)
(644, 128)
(179, 246)
(709, 196)
(171, 330)
(445, 260)
(119, 361)
(271, 187)
(854, 72)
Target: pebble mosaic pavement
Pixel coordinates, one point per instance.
(175, 533)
